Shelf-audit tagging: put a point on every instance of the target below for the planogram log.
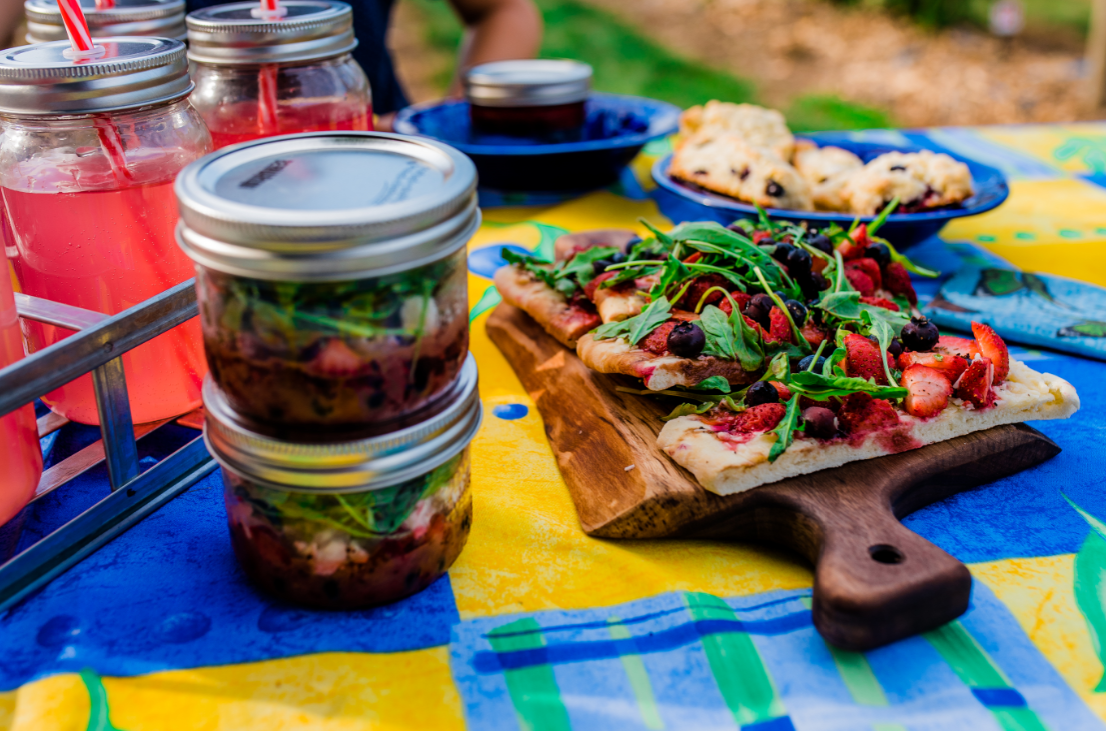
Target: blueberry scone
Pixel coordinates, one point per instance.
(727, 164)
(758, 126)
(826, 170)
(920, 180)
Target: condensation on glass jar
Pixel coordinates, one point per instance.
(20, 455)
(260, 78)
(331, 276)
(87, 185)
(348, 525)
(149, 18)
(535, 99)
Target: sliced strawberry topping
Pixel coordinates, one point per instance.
(760, 418)
(812, 333)
(694, 258)
(656, 342)
(590, 287)
(869, 267)
(963, 347)
(862, 359)
(699, 287)
(756, 326)
(896, 280)
(880, 302)
(860, 236)
(860, 281)
(741, 298)
(779, 329)
(336, 360)
(951, 365)
(782, 390)
(760, 237)
(929, 391)
(993, 349)
(860, 413)
(975, 385)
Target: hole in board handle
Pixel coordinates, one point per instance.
(885, 554)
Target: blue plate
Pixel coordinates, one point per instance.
(616, 129)
(681, 203)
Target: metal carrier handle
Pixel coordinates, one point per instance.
(97, 346)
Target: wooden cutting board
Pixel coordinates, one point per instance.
(875, 581)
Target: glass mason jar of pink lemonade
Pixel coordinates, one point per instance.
(88, 154)
(157, 18)
(20, 456)
(331, 276)
(261, 78)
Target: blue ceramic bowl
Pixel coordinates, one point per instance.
(681, 203)
(616, 129)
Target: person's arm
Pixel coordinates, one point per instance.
(495, 30)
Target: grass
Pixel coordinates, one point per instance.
(1068, 14)
(628, 63)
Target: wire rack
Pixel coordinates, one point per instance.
(97, 347)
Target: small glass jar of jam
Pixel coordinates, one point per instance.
(257, 77)
(331, 275)
(151, 18)
(534, 99)
(354, 524)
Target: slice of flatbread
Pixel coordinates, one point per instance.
(659, 372)
(727, 465)
(563, 318)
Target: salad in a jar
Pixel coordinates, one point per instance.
(351, 550)
(335, 355)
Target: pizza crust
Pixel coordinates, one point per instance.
(659, 372)
(727, 467)
(549, 308)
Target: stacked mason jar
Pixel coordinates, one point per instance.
(341, 398)
(331, 279)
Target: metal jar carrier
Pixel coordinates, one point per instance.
(153, 18)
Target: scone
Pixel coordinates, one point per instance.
(728, 165)
(920, 180)
(758, 126)
(826, 170)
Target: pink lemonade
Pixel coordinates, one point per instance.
(106, 251)
(20, 456)
(234, 123)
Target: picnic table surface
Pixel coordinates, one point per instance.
(538, 626)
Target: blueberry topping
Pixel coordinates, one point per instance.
(774, 189)
(598, 267)
(798, 261)
(899, 168)
(919, 335)
(762, 392)
(895, 348)
(822, 243)
(783, 252)
(686, 340)
(819, 422)
(632, 243)
(617, 258)
(797, 311)
(758, 313)
(804, 364)
(880, 253)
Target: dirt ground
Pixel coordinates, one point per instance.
(794, 47)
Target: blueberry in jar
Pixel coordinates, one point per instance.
(797, 311)
(783, 252)
(880, 253)
(762, 392)
(804, 364)
(686, 340)
(798, 261)
(763, 300)
(919, 335)
(818, 422)
(821, 242)
(895, 347)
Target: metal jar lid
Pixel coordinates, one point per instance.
(528, 83)
(326, 206)
(350, 466)
(232, 35)
(132, 72)
(160, 18)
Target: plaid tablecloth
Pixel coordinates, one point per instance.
(538, 626)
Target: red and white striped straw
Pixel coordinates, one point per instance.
(267, 99)
(269, 10)
(76, 26)
(105, 4)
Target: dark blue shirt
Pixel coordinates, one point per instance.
(370, 24)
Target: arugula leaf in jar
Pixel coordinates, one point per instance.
(634, 329)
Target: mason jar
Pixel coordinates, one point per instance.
(149, 18)
(331, 275)
(88, 155)
(535, 98)
(352, 524)
(260, 78)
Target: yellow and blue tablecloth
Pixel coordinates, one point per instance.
(538, 626)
